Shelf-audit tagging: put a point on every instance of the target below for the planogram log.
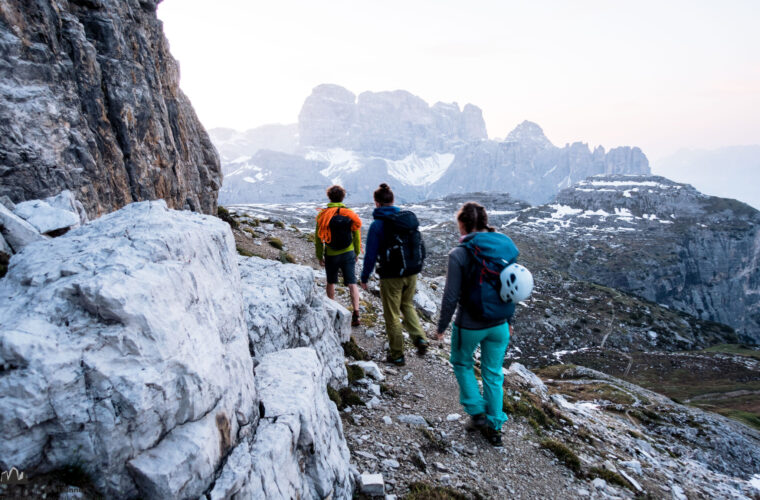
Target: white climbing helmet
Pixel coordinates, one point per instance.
(516, 283)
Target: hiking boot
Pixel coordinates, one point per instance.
(422, 346)
(395, 360)
(476, 422)
(355, 319)
(492, 435)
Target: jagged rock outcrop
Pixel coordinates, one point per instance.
(126, 345)
(528, 166)
(423, 151)
(300, 317)
(91, 103)
(672, 245)
(298, 450)
(390, 125)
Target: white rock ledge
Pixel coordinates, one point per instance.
(299, 450)
(125, 340)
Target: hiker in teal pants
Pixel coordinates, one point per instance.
(493, 345)
(471, 330)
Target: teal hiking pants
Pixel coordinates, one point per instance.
(493, 345)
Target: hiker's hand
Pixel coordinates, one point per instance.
(322, 262)
(439, 336)
(511, 330)
(364, 287)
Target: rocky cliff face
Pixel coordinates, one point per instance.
(660, 240)
(126, 347)
(91, 103)
(528, 166)
(422, 151)
(386, 124)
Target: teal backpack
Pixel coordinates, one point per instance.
(490, 253)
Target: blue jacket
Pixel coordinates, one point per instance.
(374, 239)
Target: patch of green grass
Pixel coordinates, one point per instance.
(556, 371)
(388, 391)
(251, 232)
(739, 349)
(600, 391)
(533, 411)
(279, 224)
(287, 258)
(354, 373)
(310, 237)
(225, 215)
(425, 491)
(245, 253)
(434, 442)
(751, 419)
(563, 453)
(352, 350)
(349, 398)
(334, 396)
(275, 242)
(609, 476)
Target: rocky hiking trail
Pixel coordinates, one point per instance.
(573, 432)
(413, 432)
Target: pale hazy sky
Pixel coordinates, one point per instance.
(662, 75)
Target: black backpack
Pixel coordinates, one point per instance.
(402, 251)
(341, 235)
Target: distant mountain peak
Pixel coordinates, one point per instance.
(529, 133)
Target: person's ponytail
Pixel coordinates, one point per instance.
(474, 217)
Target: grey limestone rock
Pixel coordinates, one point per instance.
(16, 231)
(284, 309)
(91, 103)
(127, 352)
(45, 218)
(299, 450)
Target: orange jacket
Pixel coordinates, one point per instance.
(326, 214)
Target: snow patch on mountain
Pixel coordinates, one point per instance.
(420, 171)
(340, 162)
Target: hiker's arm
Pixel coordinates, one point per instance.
(370, 250)
(318, 246)
(357, 242)
(450, 293)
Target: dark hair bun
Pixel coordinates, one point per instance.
(383, 194)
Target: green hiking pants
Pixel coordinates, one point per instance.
(398, 301)
(493, 345)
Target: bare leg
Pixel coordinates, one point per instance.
(354, 290)
(330, 288)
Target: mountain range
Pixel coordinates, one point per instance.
(423, 151)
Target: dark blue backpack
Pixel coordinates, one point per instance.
(489, 253)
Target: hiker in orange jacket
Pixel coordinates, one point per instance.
(337, 241)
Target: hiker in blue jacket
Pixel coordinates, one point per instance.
(472, 326)
(398, 276)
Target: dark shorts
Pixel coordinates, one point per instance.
(346, 263)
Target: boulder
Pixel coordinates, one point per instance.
(45, 218)
(300, 316)
(299, 450)
(521, 376)
(125, 350)
(424, 301)
(17, 232)
(65, 200)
